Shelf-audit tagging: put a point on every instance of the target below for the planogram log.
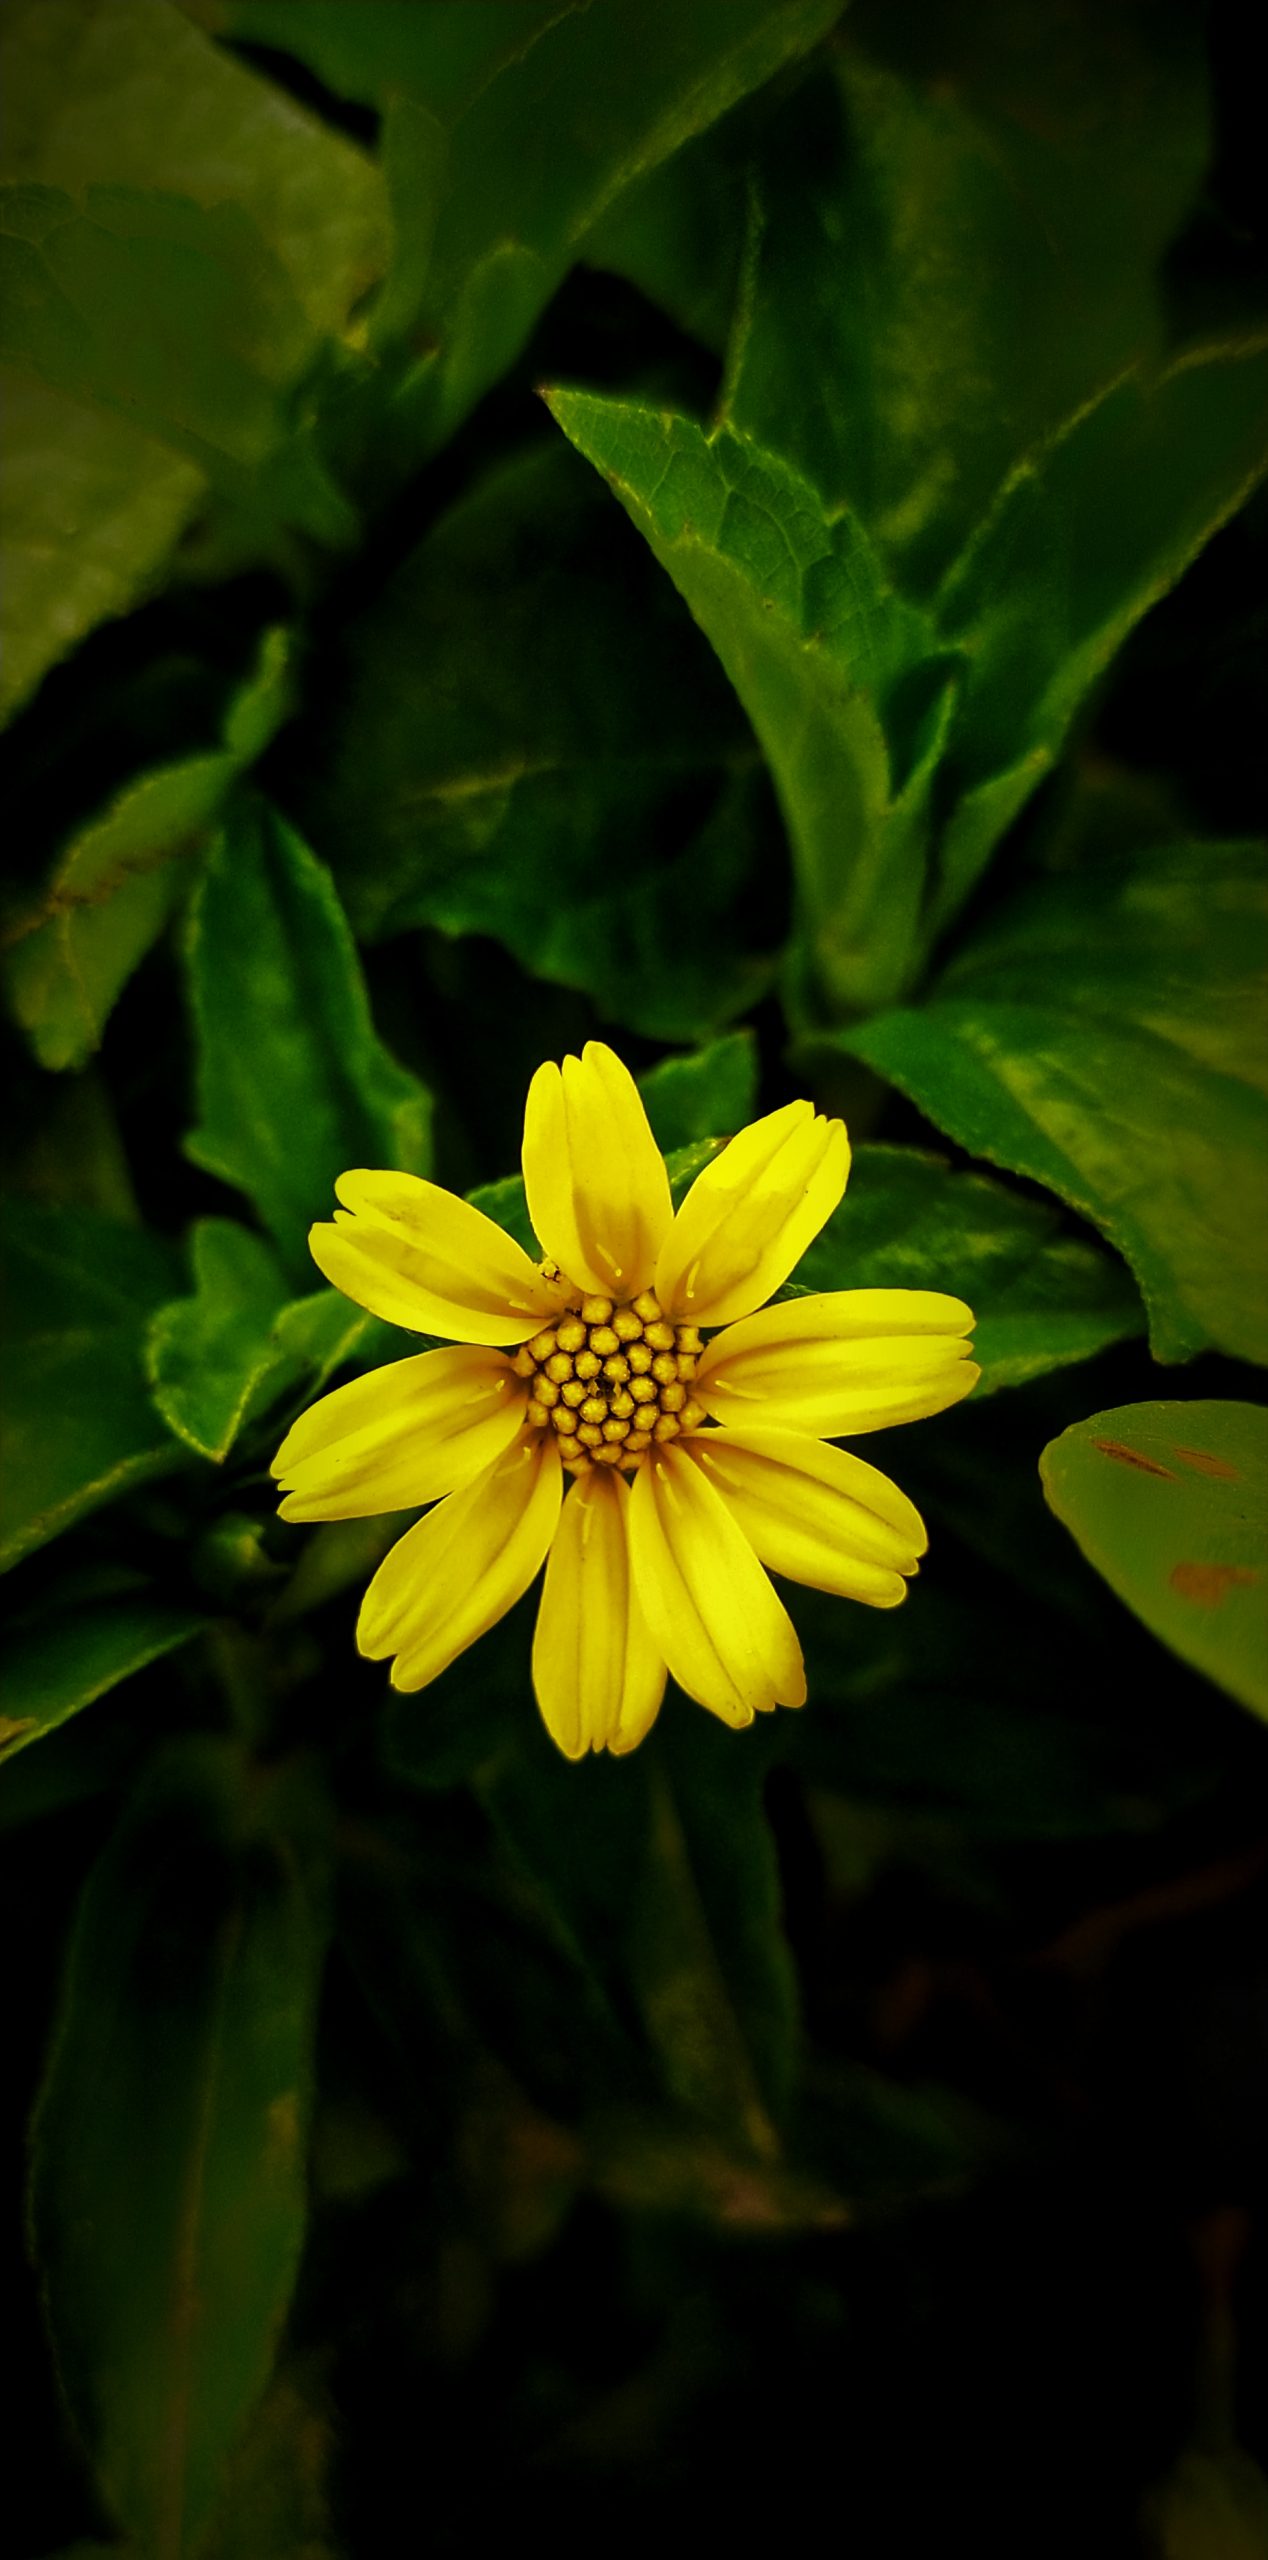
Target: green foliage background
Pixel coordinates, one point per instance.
(734, 527)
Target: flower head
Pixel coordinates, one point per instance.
(630, 1412)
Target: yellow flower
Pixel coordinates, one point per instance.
(583, 1421)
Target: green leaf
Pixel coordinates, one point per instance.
(690, 1098)
(957, 232)
(79, 1427)
(183, 318)
(121, 877)
(1082, 539)
(75, 1651)
(134, 96)
(168, 2188)
(277, 2505)
(221, 1358)
(94, 510)
(294, 1085)
(1170, 1503)
(816, 644)
(1104, 1036)
(1042, 1294)
(544, 728)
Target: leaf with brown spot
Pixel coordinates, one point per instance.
(1186, 1551)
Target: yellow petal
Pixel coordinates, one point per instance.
(715, 1617)
(598, 1192)
(816, 1513)
(456, 1572)
(422, 1258)
(403, 1435)
(598, 1676)
(844, 1361)
(750, 1215)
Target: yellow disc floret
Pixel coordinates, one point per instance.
(611, 1380)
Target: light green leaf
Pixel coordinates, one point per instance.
(132, 95)
(168, 2186)
(294, 1085)
(121, 877)
(963, 215)
(1042, 1295)
(1105, 1036)
(93, 511)
(1170, 1503)
(75, 1651)
(693, 1097)
(1081, 541)
(180, 316)
(536, 785)
(79, 1426)
(817, 646)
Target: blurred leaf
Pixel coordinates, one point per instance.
(1042, 1296)
(168, 2196)
(77, 1650)
(182, 317)
(693, 1097)
(1104, 1035)
(543, 725)
(294, 1085)
(277, 2505)
(120, 878)
(816, 644)
(126, 93)
(94, 510)
(1170, 1502)
(79, 1426)
(1081, 541)
(964, 216)
(1212, 2505)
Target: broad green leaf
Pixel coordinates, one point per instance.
(276, 2505)
(508, 144)
(294, 1085)
(132, 95)
(693, 1097)
(182, 317)
(963, 216)
(544, 728)
(1104, 1036)
(1082, 539)
(121, 877)
(817, 645)
(93, 512)
(75, 1651)
(79, 1426)
(168, 2182)
(1170, 1503)
(221, 1358)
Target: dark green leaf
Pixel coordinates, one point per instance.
(815, 641)
(207, 1354)
(1042, 1295)
(77, 1650)
(1170, 1503)
(1081, 541)
(79, 1426)
(694, 1097)
(294, 1086)
(540, 785)
(168, 2190)
(94, 510)
(120, 878)
(1105, 1037)
(963, 216)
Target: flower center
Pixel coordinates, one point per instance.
(611, 1380)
